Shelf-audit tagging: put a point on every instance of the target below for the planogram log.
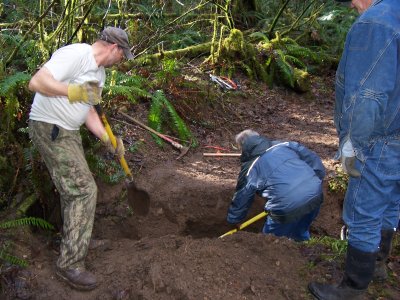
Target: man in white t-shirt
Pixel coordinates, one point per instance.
(67, 88)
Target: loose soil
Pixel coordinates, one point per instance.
(174, 251)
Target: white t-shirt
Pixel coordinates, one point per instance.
(70, 64)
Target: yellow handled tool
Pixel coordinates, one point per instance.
(113, 140)
(138, 199)
(245, 224)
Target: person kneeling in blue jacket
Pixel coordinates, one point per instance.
(288, 175)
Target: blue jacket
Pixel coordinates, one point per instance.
(368, 79)
(287, 174)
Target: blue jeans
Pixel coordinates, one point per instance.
(298, 231)
(372, 200)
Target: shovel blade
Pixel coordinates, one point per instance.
(139, 200)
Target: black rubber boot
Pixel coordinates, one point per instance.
(380, 274)
(358, 274)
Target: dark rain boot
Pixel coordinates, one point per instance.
(358, 274)
(381, 274)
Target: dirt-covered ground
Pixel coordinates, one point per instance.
(174, 251)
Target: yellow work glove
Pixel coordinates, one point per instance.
(88, 92)
(119, 151)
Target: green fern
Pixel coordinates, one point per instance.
(155, 116)
(285, 69)
(9, 258)
(5, 247)
(10, 84)
(294, 61)
(132, 87)
(304, 53)
(9, 88)
(109, 171)
(169, 70)
(259, 36)
(38, 222)
(12, 259)
(178, 125)
(162, 111)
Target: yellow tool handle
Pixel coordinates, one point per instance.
(113, 140)
(245, 224)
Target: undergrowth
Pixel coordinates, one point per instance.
(337, 247)
(6, 256)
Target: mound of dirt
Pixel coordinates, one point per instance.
(174, 252)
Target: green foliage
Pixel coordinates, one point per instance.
(10, 84)
(38, 185)
(338, 247)
(338, 183)
(5, 247)
(285, 61)
(169, 70)
(162, 111)
(108, 170)
(186, 38)
(102, 165)
(131, 87)
(284, 67)
(32, 221)
(235, 53)
(10, 91)
(11, 259)
(332, 26)
(155, 115)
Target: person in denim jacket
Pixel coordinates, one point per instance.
(367, 119)
(287, 175)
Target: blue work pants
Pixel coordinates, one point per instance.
(298, 230)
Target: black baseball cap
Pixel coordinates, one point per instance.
(117, 36)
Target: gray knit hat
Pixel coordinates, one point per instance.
(117, 36)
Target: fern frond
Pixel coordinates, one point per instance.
(38, 222)
(302, 53)
(130, 92)
(285, 69)
(11, 83)
(295, 61)
(161, 109)
(109, 171)
(180, 126)
(13, 259)
(259, 36)
(128, 86)
(155, 114)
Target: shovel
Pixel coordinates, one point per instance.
(245, 224)
(138, 199)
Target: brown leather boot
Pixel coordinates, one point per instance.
(78, 278)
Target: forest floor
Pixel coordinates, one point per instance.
(174, 251)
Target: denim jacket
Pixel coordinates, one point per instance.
(368, 79)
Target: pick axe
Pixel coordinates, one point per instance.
(182, 149)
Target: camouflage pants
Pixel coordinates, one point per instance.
(63, 154)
